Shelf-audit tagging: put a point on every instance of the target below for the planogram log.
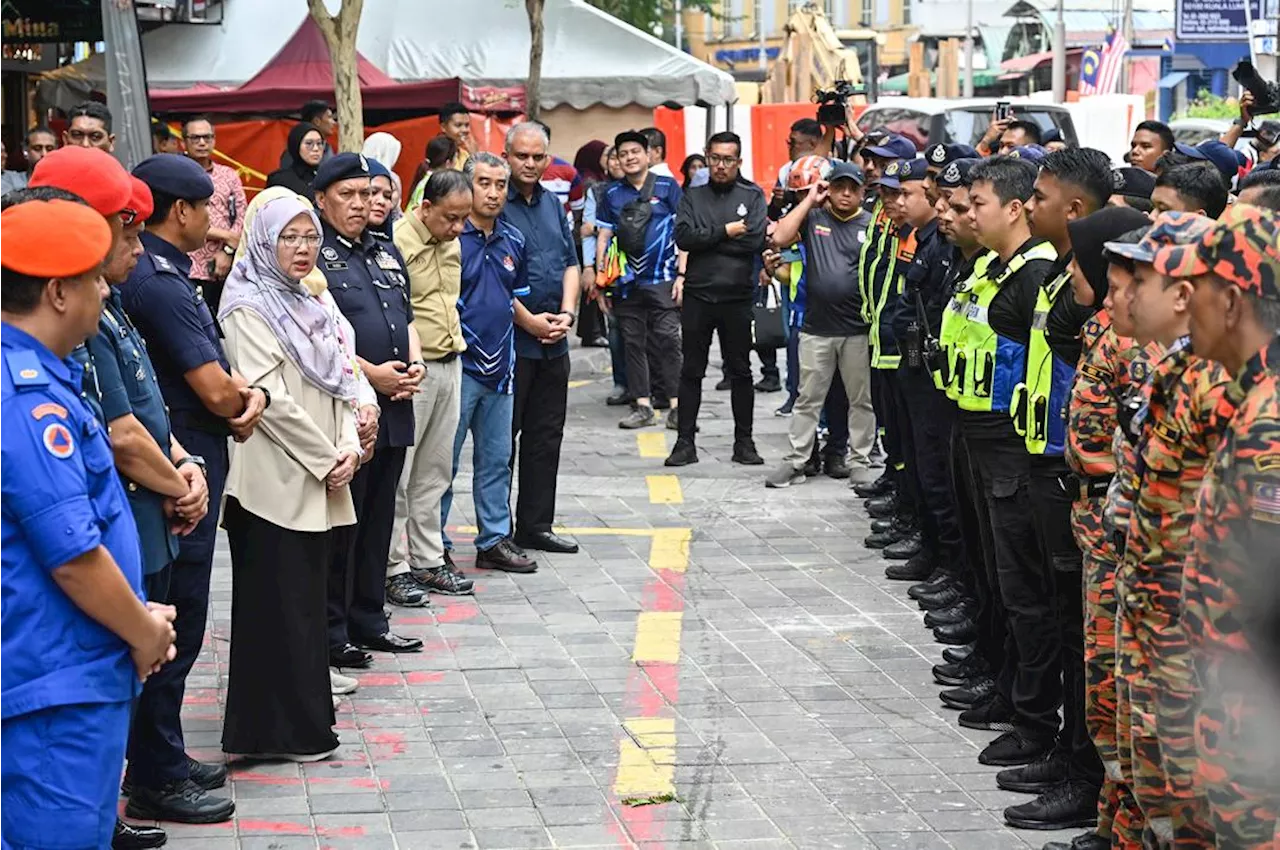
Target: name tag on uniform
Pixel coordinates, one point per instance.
(386, 261)
(336, 267)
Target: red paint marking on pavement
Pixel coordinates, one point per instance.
(424, 677)
(264, 778)
(195, 715)
(201, 696)
(666, 680)
(341, 832)
(616, 830)
(385, 745)
(380, 680)
(662, 596)
(458, 612)
(275, 827)
(639, 822)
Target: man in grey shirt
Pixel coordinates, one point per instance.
(832, 228)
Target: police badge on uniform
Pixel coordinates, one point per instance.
(742, 210)
(952, 173)
(328, 253)
(892, 169)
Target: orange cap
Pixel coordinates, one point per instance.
(48, 239)
(141, 201)
(90, 173)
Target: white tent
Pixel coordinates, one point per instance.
(589, 57)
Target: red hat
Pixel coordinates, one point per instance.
(141, 201)
(90, 173)
(48, 239)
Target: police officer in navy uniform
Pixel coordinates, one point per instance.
(368, 281)
(78, 637)
(207, 403)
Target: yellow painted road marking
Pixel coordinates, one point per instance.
(646, 759)
(652, 443)
(657, 637)
(664, 489)
(596, 532)
(669, 549)
(573, 385)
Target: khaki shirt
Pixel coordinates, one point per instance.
(435, 280)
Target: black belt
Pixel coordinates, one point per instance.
(448, 358)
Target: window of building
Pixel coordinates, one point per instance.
(735, 19)
(868, 13)
(906, 12)
(767, 17)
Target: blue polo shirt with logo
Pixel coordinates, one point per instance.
(549, 250)
(494, 273)
(658, 262)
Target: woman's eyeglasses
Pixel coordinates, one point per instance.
(293, 240)
(315, 146)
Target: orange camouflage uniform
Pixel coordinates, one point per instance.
(1230, 595)
(1180, 429)
(1111, 368)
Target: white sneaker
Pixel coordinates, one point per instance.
(340, 684)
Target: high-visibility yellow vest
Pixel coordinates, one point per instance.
(953, 320)
(881, 242)
(1040, 402)
(989, 366)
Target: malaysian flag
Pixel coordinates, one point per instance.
(1100, 68)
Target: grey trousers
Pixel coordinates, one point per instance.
(819, 357)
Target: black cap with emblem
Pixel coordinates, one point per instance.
(956, 174)
(1132, 182)
(341, 166)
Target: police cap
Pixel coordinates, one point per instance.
(904, 171)
(1033, 154)
(940, 155)
(175, 176)
(893, 147)
(956, 174)
(342, 166)
(48, 239)
(1132, 182)
(92, 174)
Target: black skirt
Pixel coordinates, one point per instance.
(278, 698)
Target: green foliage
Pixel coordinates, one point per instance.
(1207, 105)
(657, 17)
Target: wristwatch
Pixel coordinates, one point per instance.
(573, 317)
(197, 460)
(266, 394)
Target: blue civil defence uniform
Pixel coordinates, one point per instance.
(181, 335)
(66, 682)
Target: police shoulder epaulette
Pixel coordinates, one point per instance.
(161, 263)
(26, 371)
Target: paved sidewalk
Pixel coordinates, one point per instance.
(728, 654)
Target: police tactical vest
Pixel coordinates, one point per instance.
(987, 365)
(953, 321)
(1039, 405)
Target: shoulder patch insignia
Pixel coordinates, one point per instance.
(1268, 462)
(25, 369)
(1093, 373)
(48, 408)
(1264, 502)
(58, 442)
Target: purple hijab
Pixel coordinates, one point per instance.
(304, 328)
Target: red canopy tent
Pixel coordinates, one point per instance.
(300, 72)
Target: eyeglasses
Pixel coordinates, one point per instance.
(95, 137)
(200, 137)
(314, 145)
(293, 240)
(128, 217)
(721, 160)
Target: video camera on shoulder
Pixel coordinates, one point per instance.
(1266, 96)
(833, 103)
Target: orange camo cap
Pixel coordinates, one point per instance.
(90, 173)
(48, 239)
(1242, 247)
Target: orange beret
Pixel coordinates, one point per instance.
(141, 201)
(90, 173)
(48, 239)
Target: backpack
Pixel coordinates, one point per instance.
(633, 220)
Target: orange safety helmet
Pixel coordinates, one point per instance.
(808, 170)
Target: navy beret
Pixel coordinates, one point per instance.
(341, 166)
(377, 169)
(940, 154)
(174, 175)
(903, 171)
(956, 174)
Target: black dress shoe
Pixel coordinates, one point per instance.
(906, 548)
(968, 695)
(744, 452)
(390, 643)
(180, 801)
(881, 524)
(956, 634)
(768, 384)
(619, 397)
(546, 541)
(957, 613)
(956, 673)
(835, 466)
(885, 538)
(946, 598)
(1014, 748)
(682, 454)
(956, 654)
(993, 715)
(349, 656)
(882, 486)
(1067, 805)
(915, 569)
(1084, 841)
(137, 836)
(723, 384)
(935, 583)
(881, 507)
(1048, 771)
(504, 556)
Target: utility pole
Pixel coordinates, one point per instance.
(679, 24)
(1060, 58)
(764, 58)
(968, 49)
(1126, 28)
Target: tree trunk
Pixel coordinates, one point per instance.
(339, 33)
(533, 89)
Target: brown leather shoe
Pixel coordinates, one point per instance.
(506, 556)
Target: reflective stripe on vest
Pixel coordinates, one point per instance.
(873, 253)
(989, 366)
(1040, 402)
(953, 320)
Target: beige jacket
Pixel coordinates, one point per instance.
(278, 473)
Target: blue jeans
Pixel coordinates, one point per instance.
(617, 356)
(487, 415)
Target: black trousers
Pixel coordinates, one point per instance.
(732, 321)
(650, 323)
(975, 523)
(537, 430)
(1002, 469)
(929, 418)
(157, 751)
(897, 428)
(358, 569)
(591, 324)
(835, 409)
(1051, 504)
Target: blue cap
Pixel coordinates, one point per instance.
(1031, 153)
(1189, 150)
(341, 166)
(841, 170)
(1053, 134)
(939, 155)
(894, 147)
(174, 175)
(956, 172)
(1223, 157)
(904, 171)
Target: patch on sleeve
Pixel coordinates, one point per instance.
(1268, 462)
(48, 408)
(1264, 503)
(58, 442)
